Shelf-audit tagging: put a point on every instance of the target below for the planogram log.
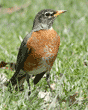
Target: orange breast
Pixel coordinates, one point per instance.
(44, 46)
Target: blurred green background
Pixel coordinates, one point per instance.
(16, 20)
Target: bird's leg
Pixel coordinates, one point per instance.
(27, 79)
(20, 85)
(48, 80)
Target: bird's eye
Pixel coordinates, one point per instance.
(52, 14)
(47, 14)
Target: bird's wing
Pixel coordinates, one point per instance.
(23, 53)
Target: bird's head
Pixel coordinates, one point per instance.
(45, 18)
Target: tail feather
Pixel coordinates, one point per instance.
(17, 81)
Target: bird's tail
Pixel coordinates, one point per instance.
(16, 80)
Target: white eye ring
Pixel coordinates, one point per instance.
(47, 13)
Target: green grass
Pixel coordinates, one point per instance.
(73, 30)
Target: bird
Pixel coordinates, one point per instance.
(37, 51)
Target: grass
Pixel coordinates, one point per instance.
(70, 70)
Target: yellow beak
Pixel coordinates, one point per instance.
(59, 12)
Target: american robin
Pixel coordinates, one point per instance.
(38, 49)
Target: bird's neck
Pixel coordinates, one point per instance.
(51, 28)
(41, 27)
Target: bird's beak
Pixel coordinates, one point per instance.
(59, 12)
